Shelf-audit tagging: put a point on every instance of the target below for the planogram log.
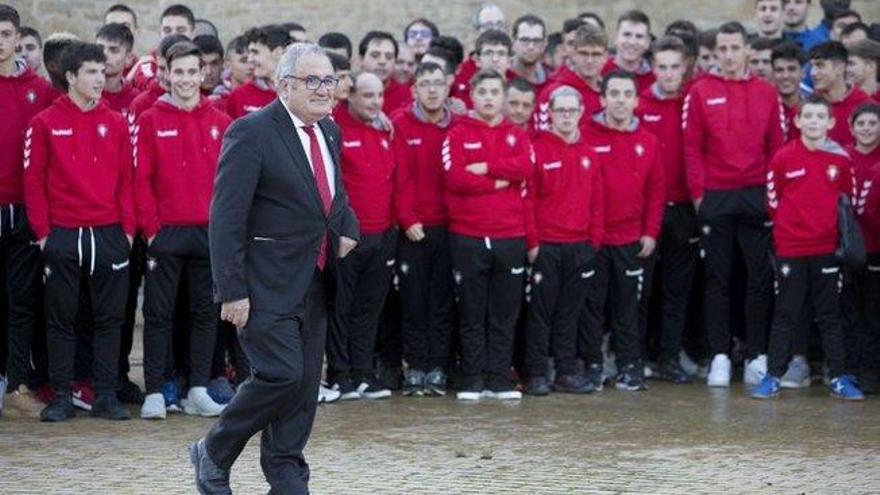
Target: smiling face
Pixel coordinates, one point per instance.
(866, 129)
(87, 83)
(379, 58)
(633, 40)
(185, 77)
(768, 16)
(367, 96)
(787, 75)
(307, 104)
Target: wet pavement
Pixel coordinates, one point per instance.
(670, 439)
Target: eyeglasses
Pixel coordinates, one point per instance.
(315, 82)
(419, 33)
(494, 54)
(430, 84)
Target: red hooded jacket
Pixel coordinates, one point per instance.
(78, 169)
(867, 202)
(397, 96)
(803, 187)
(145, 99)
(249, 98)
(476, 207)
(661, 117)
(22, 96)
(633, 175)
(367, 171)
(566, 77)
(418, 189)
(121, 100)
(566, 191)
(841, 111)
(732, 128)
(176, 154)
(645, 77)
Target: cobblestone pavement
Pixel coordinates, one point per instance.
(671, 439)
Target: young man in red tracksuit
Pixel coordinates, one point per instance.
(117, 42)
(365, 276)
(80, 203)
(788, 62)
(583, 73)
(805, 181)
(733, 123)
(265, 46)
(632, 43)
(659, 113)
(158, 86)
(828, 70)
(862, 311)
(487, 160)
(175, 20)
(177, 143)
(378, 51)
(569, 210)
(423, 261)
(23, 94)
(634, 194)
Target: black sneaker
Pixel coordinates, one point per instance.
(435, 382)
(671, 371)
(130, 393)
(594, 375)
(60, 409)
(869, 382)
(108, 407)
(631, 378)
(471, 388)
(414, 383)
(346, 389)
(538, 386)
(501, 388)
(574, 384)
(371, 389)
(391, 378)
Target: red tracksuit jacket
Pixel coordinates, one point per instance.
(418, 188)
(645, 77)
(803, 187)
(792, 132)
(121, 101)
(367, 171)
(176, 154)
(144, 73)
(867, 202)
(566, 191)
(397, 96)
(841, 111)
(21, 97)
(249, 98)
(662, 117)
(633, 175)
(566, 77)
(145, 99)
(78, 169)
(731, 131)
(476, 208)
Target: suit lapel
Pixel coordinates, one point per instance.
(289, 136)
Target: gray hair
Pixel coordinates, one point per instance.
(475, 19)
(287, 64)
(562, 91)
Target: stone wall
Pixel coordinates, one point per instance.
(355, 17)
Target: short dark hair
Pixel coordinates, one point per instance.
(856, 26)
(732, 27)
(866, 49)
(692, 48)
(117, 33)
(339, 62)
(670, 44)
(9, 14)
(708, 39)
(376, 36)
(272, 36)
(453, 46)
(179, 10)
(682, 25)
(635, 17)
(570, 25)
(485, 75)
(553, 42)
(617, 74)
(788, 51)
(211, 26)
(209, 44)
(53, 48)
(292, 26)
(26, 31)
(830, 51)
(335, 40)
(421, 20)
(237, 45)
(530, 19)
(867, 107)
(121, 7)
(183, 49)
(76, 54)
(522, 86)
(446, 55)
(492, 37)
(761, 43)
(815, 100)
(588, 35)
(427, 68)
(169, 41)
(594, 16)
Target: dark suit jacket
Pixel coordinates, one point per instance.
(267, 220)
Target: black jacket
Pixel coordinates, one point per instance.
(267, 220)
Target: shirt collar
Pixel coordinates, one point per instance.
(297, 122)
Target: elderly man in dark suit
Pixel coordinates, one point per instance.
(279, 220)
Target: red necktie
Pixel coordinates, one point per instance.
(323, 186)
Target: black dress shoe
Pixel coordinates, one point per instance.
(210, 478)
(538, 386)
(108, 407)
(60, 409)
(130, 393)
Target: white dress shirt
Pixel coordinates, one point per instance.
(306, 142)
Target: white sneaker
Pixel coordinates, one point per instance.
(503, 395)
(797, 375)
(686, 363)
(199, 403)
(719, 371)
(153, 407)
(469, 395)
(327, 395)
(755, 370)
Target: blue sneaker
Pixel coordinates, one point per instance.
(767, 389)
(220, 390)
(844, 387)
(172, 397)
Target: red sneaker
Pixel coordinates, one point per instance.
(83, 394)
